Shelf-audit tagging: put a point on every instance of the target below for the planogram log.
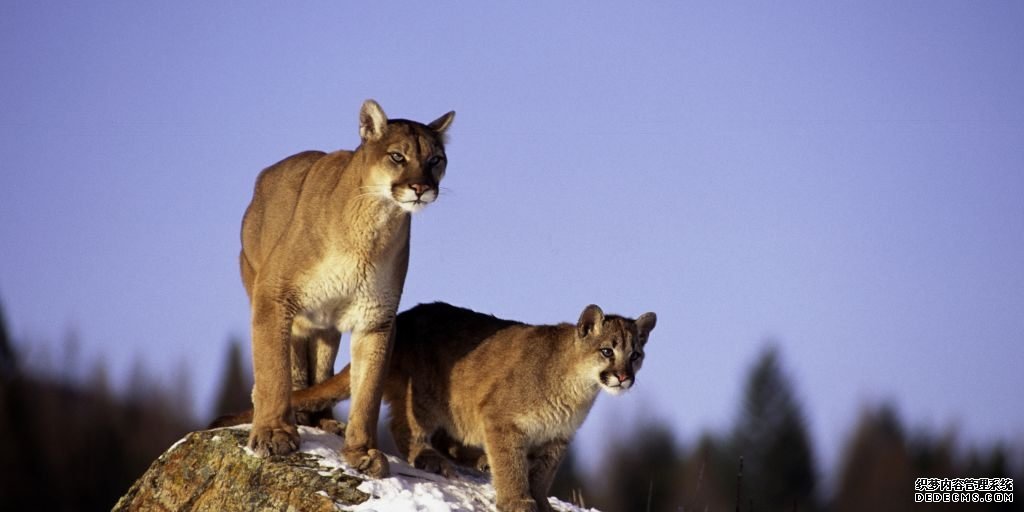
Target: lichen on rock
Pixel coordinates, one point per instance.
(213, 471)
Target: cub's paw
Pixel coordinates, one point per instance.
(332, 426)
(372, 462)
(433, 462)
(521, 505)
(266, 441)
(544, 506)
(482, 464)
(304, 418)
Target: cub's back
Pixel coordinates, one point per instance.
(431, 338)
(442, 330)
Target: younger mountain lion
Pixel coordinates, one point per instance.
(518, 391)
(325, 249)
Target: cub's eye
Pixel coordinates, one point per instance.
(607, 352)
(434, 160)
(396, 157)
(634, 356)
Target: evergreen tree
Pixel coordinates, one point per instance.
(770, 435)
(992, 462)
(236, 386)
(708, 477)
(8, 361)
(876, 472)
(643, 473)
(180, 399)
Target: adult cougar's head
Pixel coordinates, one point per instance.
(613, 346)
(406, 158)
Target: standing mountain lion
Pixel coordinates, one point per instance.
(518, 391)
(325, 249)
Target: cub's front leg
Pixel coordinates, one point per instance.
(273, 426)
(544, 464)
(371, 350)
(506, 451)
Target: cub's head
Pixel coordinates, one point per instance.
(406, 159)
(613, 346)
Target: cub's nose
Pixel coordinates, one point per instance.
(419, 188)
(623, 377)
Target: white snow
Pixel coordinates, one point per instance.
(409, 489)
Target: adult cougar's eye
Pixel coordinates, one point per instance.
(607, 352)
(396, 157)
(634, 356)
(434, 160)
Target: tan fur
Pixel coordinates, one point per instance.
(518, 391)
(325, 249)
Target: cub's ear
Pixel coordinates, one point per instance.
(442, 123)
(590, 321)
(645, 324)
(372, 121)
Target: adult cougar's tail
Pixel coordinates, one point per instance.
(312, 399)
(324, 395)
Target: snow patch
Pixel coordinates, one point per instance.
(408, 488)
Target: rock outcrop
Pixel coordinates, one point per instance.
(213, 471)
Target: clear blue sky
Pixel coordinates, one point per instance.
(846, 179)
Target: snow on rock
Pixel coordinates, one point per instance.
(214, 471)
(409, 489)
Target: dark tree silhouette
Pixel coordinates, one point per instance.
(66, 446)
(8, 361)
(642, 473)
(876, 472)
(236, 382)
(708, 477)
(771, 436)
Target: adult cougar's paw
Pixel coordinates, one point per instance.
(266, 441)
(372, 462)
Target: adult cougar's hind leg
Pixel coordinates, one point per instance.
(323, 350)
(300, 372)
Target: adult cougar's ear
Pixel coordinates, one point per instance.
(372, 121)
(590, 321)
(645, 324)
(442, 123)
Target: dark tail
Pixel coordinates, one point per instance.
(312, 399)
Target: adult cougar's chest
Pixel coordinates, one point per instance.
(346, 291)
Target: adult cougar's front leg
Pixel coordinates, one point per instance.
(371, 350)
(273, 426)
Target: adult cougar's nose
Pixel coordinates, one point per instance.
(419, 188)
(623, 377)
